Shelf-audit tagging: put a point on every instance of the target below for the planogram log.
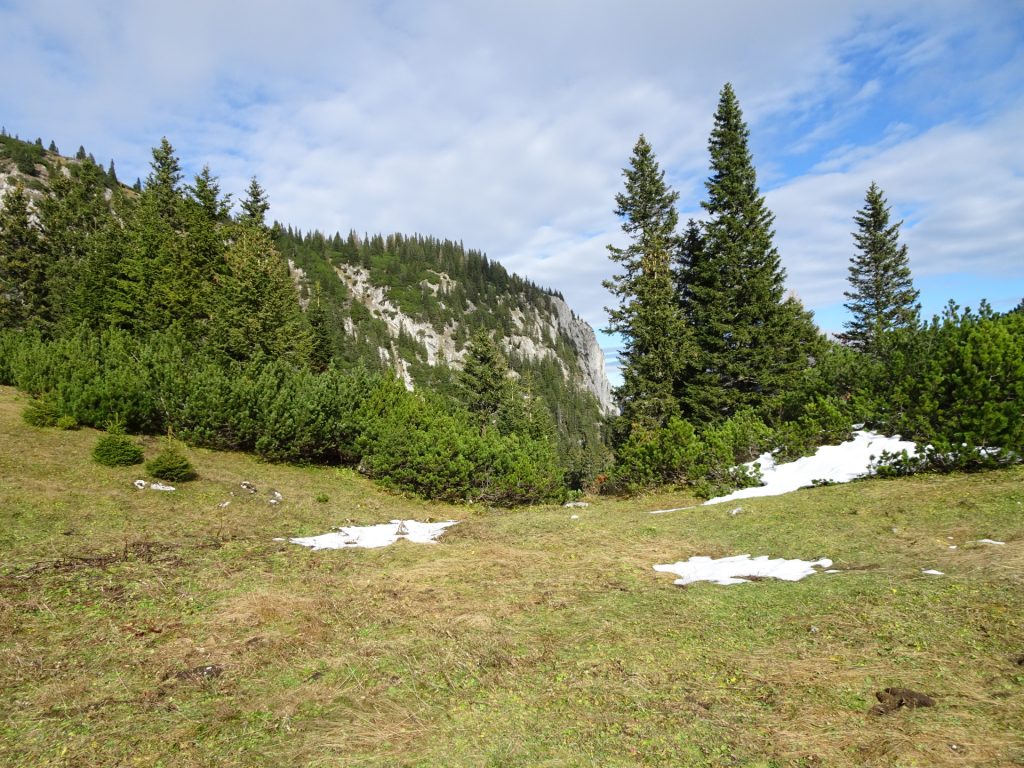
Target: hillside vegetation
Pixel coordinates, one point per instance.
(164, 629)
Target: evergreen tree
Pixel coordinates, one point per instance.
(206, 192)
(656, 341)
(256, 312)
(255, 205)
(322, 349)
(80, 154)
(111, 173)
(164, 180)
(22, 269)
(53, 148)
(481, 381)
(81, 239)
(754, 343)
(882, 298)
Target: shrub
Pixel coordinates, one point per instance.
(67, 423)
(171, 465)
(116, 449)
(41, 413)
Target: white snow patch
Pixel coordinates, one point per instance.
(665, 511)
(372, 536)
(140, 484)
(833, 463)
(739, 568)
(933, 572)
(161, 487)
(574, 517)
(989, 541)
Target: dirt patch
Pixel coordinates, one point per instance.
(892, 699)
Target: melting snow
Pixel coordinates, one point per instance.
(371, 536)
(834, 463)
(739, 568)
(933, 572)
(989, 541)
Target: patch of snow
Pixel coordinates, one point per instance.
(574, 517)
(740, 568)
(579, 504)
(989, 541)
(664, 511)
(140, 484)
(834, 463)
(735, 511)
(161, 487)
(372, 536)
(933, 572)
(952, 546)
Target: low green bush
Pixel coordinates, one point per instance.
(172, 465)
(116, 449)
(41, 413)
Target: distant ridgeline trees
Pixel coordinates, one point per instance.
(720, 366)
(160, 309)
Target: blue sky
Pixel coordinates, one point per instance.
(506, 125)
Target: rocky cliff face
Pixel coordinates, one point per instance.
(537, 332)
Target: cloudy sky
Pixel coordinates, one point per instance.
(507, 124)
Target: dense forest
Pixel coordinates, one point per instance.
(155, 308)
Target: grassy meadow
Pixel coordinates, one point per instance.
(143, 628)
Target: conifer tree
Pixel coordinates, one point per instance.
(321, 350)
(22, 269)
(481, 381)
(656, 341)
(753, 342)
(206, 192)
(164, 179)
(53, 148)
(255, 205)
(882, 295)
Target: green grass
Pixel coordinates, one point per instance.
(523, 638)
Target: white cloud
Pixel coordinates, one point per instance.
(506, 125)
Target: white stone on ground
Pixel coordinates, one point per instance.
(372, 536)
(739, 568)
(933, 572)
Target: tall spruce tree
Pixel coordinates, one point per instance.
(656, 341)
(753, 342)
(22, 268)
(882, 295)
(255, 205)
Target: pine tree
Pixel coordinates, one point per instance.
(882, 298)
(206, 192)
(22, 268)
(164, 180)
(53, 148)
(656, 341)
(255, 205)
(753, 342)
(111, 173)
(481, 381)
(322, 349)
